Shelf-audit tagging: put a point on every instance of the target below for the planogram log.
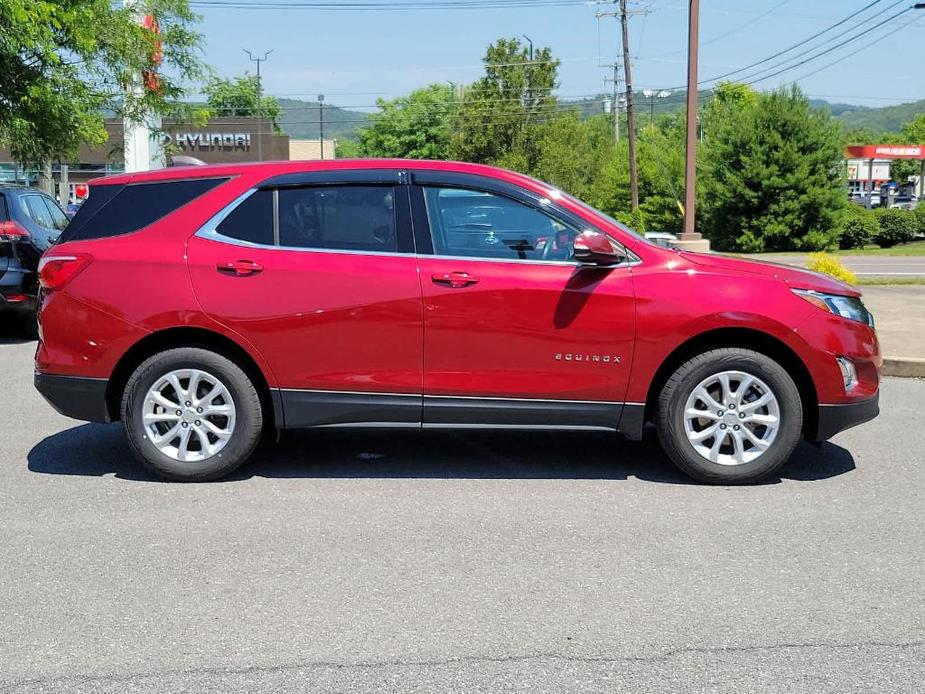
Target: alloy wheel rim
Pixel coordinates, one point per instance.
(189, 415)
(731, 418)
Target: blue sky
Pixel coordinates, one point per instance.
(352, 56)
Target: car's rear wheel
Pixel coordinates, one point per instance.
(30, 323)
(191, 414)
(729, 416)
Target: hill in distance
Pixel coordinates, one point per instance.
(301, 118)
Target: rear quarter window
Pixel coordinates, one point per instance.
(113, 210)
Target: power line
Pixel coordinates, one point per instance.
(793, 47)
(726, 34)
(851, 55)
(857, 36)
(383, 6)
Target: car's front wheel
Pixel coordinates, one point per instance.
(191, 414)
(729, 416)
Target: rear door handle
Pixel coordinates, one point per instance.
(240, 268)
(455, 280)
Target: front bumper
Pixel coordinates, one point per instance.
(74, 396)
(836, 418)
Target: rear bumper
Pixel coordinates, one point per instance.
(74, 396)
(836, 418)
(13, 287)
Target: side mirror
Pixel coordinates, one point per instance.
(594, 248)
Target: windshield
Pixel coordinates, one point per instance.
(585, 206)
(557, 193)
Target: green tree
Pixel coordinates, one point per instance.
(349, 149)
(773, 175)
(498, 111)
(912, 133)
(417, 126)
(570, 152)
(735, 94)
(64, 63)
(661, 173)
(236, 97)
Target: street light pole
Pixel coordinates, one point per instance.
(321, 122)
(529, 41)
(690, 167)
(259, 96)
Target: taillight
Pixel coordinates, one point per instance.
(57, 270)
(12, 231)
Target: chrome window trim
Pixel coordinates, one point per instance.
(542, 204)
(516, 261)
(209, 231)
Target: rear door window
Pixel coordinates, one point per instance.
(341, 217)
(251, 221)
(121, 210)
(58, 219)
(35, 209)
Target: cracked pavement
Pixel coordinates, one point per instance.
(443, 562)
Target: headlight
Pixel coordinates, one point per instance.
(845, 306)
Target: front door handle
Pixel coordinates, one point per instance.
(455, 280)
(240, 268)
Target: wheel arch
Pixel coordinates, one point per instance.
(744, 338)
(171, 338)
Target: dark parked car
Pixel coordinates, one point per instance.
(30, 223)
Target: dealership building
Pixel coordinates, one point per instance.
(219, 141)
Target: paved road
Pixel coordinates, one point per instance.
(867, 265)
(457, 563)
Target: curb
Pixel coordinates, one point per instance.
(904, 367)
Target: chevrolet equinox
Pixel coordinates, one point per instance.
(202, 306)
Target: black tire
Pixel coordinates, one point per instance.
(248, 415)
(672, 403)
(30, 324)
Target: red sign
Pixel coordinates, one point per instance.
(81, 190)
(149, 76)
(886, 152)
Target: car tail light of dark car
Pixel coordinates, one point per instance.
(55, 271)
(12, 231)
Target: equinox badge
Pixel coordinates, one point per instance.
(600, 358)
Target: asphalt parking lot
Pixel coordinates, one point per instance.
(457, 562)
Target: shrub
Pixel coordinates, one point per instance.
(857, 227)
(634, 219)
(896, 226)
(919, 214)
(829, 265)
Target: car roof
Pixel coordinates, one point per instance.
(12, 188)
(274, 168)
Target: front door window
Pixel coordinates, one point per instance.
(475, 224)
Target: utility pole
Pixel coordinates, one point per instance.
(653, 95)
(615, 100)
(630, 111)
(321, 122)
(690, 164)
(530, 74)
(259, 100)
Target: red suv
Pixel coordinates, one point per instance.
(203, 305)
